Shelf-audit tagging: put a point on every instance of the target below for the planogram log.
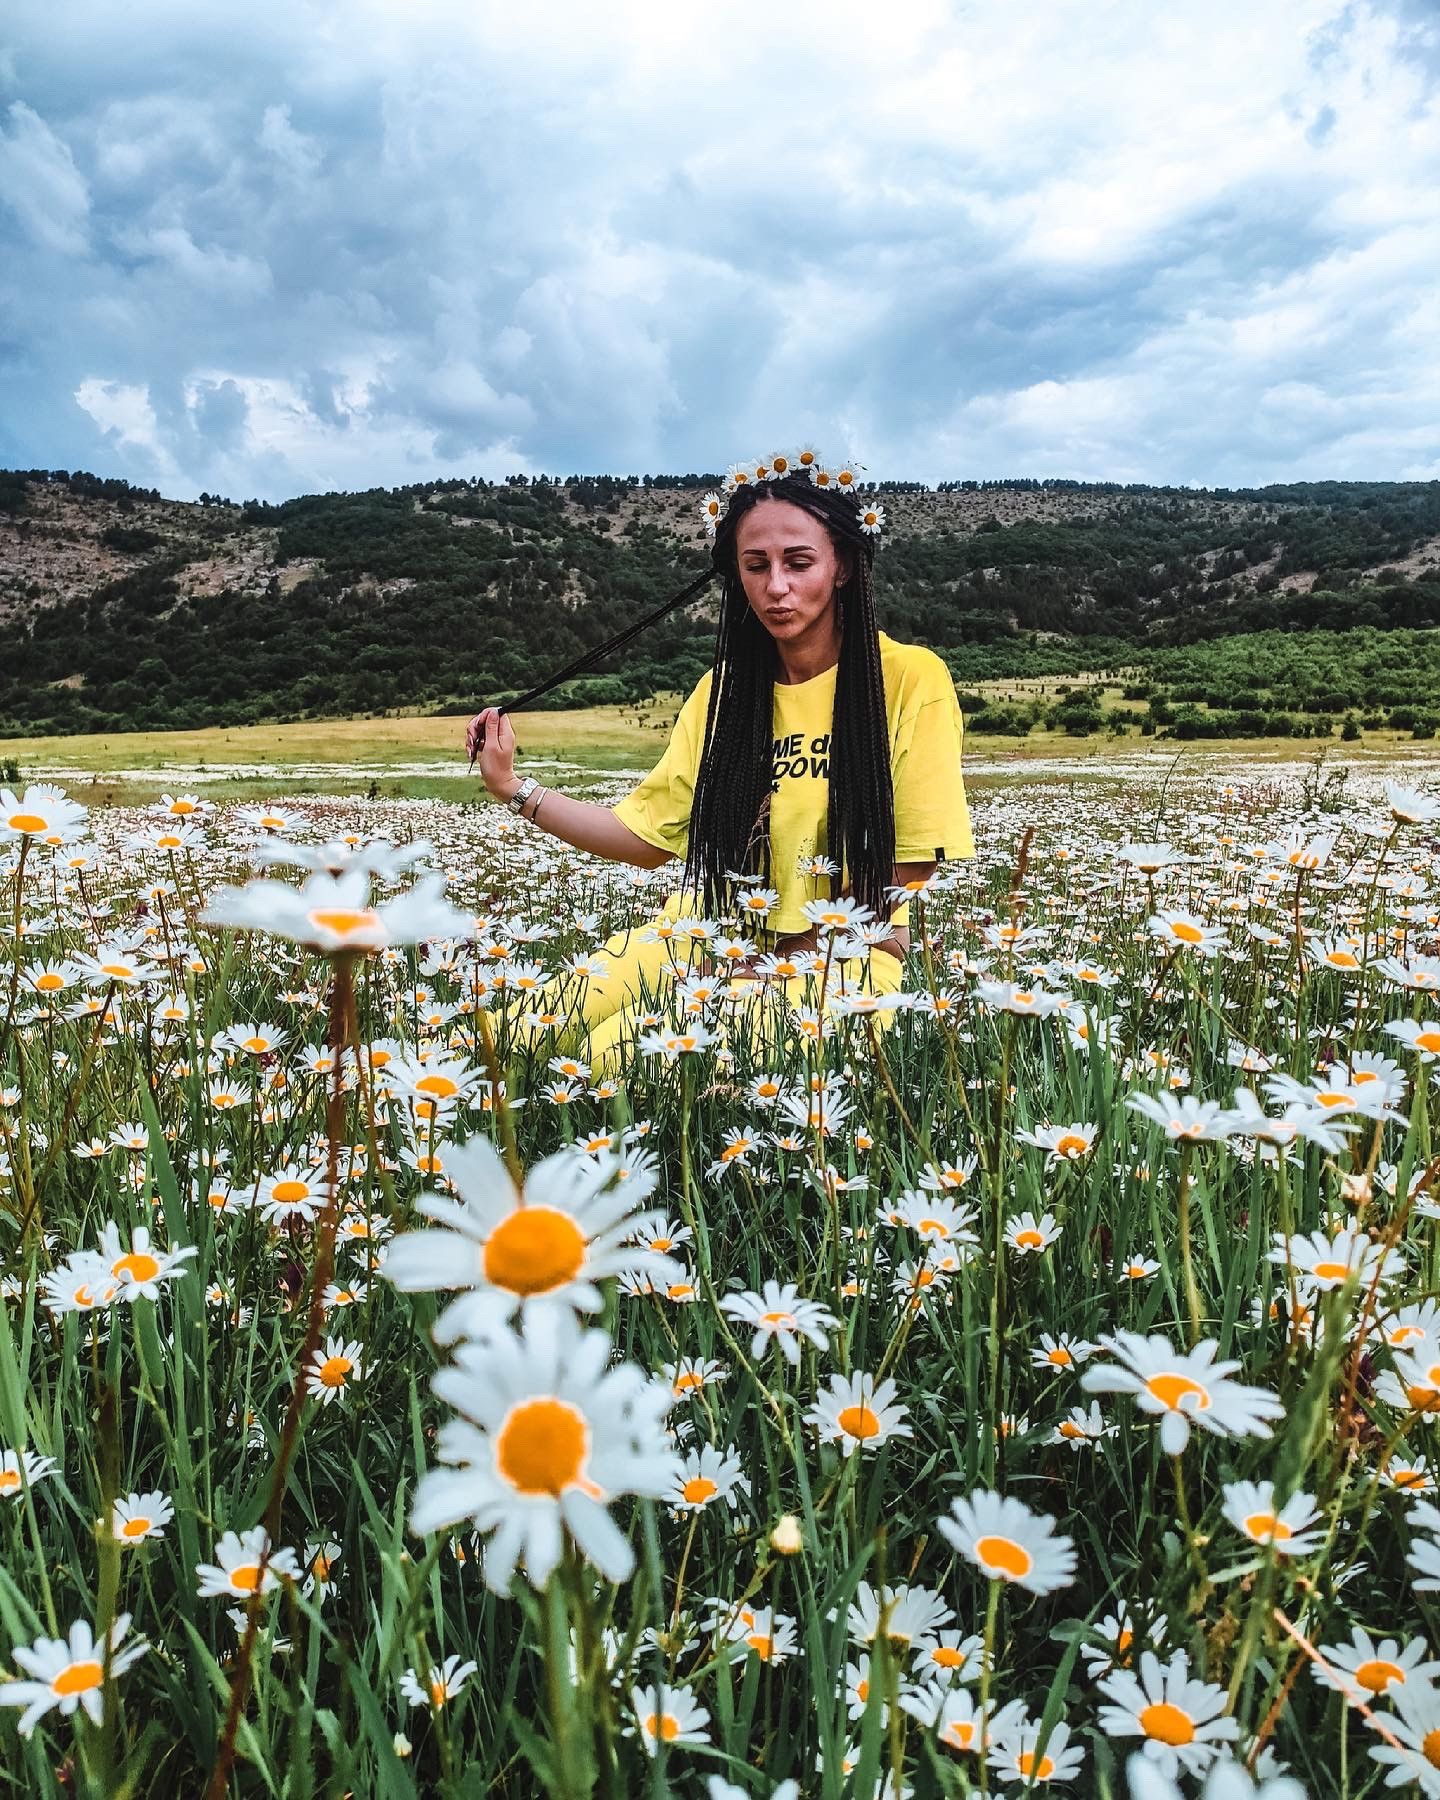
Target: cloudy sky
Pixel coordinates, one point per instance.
(294, 245)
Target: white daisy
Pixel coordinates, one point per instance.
(548, 1436)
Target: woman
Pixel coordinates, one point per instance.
(813, 735)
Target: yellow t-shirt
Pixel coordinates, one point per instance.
(932, 820)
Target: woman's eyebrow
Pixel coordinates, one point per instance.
(789, 550)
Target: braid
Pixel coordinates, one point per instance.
(732, 786)
(861, 828)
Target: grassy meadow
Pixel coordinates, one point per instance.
(1022, 1383)
(413, 755)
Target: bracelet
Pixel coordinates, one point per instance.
(535, 810)
(517, 800)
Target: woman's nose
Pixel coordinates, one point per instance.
(779, 582)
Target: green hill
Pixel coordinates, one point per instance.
(120, 609)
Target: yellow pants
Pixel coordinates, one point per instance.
(619, 1007)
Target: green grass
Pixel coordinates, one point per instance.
(400, 757)
(156, 1394)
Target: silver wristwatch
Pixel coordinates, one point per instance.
(526, 788)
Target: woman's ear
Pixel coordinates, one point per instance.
(844, 566)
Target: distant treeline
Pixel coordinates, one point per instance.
(447, 594)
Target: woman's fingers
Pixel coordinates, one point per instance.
(484, 729)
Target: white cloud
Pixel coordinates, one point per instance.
(1185, 243)
(122, 413)
(300, 155)
(40, 183)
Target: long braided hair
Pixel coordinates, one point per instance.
(729, 818)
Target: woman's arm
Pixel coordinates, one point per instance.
(578, 822)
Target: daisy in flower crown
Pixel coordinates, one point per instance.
(815, 750)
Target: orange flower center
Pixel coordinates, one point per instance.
(333, 1371)
(1003, 1555)
(1029, 1239)
(135, 1528)
(47, 984)
(1430, 1748)
(440, 1085)
(23, 821)
(858, 1422)
(1035, 1768)
(1267, 1526)
(1187, 933)
(79, 1678)
(542, 1446)
(662, 1725)
(138, 1266)
(1166, 1723)
(536, 1249)
(698, 1490)
(1070, 1143)
(1377, 1674)
(343, 922)
(291, 1190)
(246, 1577)
(1331, 1271)
(1170, 1390)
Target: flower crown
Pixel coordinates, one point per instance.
(869, 514)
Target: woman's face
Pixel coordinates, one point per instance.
(790, 569)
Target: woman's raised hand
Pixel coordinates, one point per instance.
(497, 756)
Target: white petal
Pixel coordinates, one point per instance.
(1174, 1433)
